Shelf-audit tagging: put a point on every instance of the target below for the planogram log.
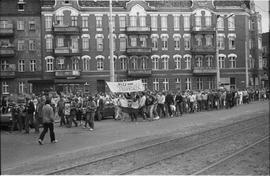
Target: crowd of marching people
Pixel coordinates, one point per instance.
(78, 110)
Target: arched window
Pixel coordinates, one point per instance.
(232, 59)
(86, 63)
(155, 61)
(198, 60)
(165, 62)
(177, 60)
(75, 63)
(187, 59)
(100, 62)
(49, 64)
(123, 62)
(221, 60)
(209, 61)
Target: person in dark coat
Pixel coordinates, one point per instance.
(169, 100)
(29, 118)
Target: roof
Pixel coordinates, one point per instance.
(10, 7)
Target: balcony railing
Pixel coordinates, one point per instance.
(139, 50)
(67, 73)
(8, 72)
(203, 29)
(139, 72)
(204, 70)
(203, 49)
(7, 51)
(65, 51)
(138, 29)
(8, 30)
(65, 29)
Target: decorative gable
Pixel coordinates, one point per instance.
(141, 3)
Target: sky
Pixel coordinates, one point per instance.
(262, 6)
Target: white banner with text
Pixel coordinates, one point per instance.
(127, 86)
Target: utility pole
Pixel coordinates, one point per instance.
(111, 46)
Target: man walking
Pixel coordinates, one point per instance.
(29, 118)
(48, 120)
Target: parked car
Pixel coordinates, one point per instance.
(6, 119)
(107, 112)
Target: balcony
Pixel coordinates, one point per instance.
(138, 51)
(9, 72)
(7, 31)
(65, 29)
(204, 70)
(65, 51)
(68, 74)
(138, 30)
(7, 51)
(203, 29)
(139, 72)
(203, 49)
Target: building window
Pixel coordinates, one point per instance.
(231, 42)
(176, 23)
(20, 7)
(49, 64)
(154, 22)
(20, 45)
(209, 40)
(187, 43)
(178, 84)
(198, 38)
(122, 22)
(75, 64)
(164, 41)
(32, 25)
(74, 21)
(33, 65)
(21, 67)
(133, 21)
(199, 84)
(60, 42)
(100, 63)
(84, 21)
(221, 60)
(21, 87)
(177, 43)
(188, 83)
(186, 23)
(123, 43)
(123, 63)
(156, 84)
(32, 45)
(145, 84)
(48, 23)
(143, 63)
(143, 41)
(86, 63)
(155, 61)
(59, 20)
(166, 84)
(49, 43)
(133, 61)
(99, 23)
(231, 23)
(220, 24)
(165, 61)
(20, 25)
(133, 41)
(5, 88)
(163, 23)
(187, 62)
(85, 44)
(4, 65)
(221, 42)
(198, 60)
(209, 61)
(232, 60)
(198, 21)
(60, 63)
(211, 83)
(142, 21)
(155, 43)
(99, 44)
(177, 61)
(208, 21)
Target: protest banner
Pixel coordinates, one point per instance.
(126, 87)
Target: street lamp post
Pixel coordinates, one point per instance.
(111, 46)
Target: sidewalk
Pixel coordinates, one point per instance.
(19, 148)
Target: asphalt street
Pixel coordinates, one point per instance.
(18, 149)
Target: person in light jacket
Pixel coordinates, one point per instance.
(48, 120)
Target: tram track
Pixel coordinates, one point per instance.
(109, 162)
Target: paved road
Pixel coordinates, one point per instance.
(18, 149)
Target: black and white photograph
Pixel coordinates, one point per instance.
(134, 87)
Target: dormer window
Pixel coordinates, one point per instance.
(21, 5)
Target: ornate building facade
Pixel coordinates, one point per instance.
(170, 45)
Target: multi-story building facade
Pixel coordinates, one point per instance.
(20, 50)
(266, 58)
(170, 45)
